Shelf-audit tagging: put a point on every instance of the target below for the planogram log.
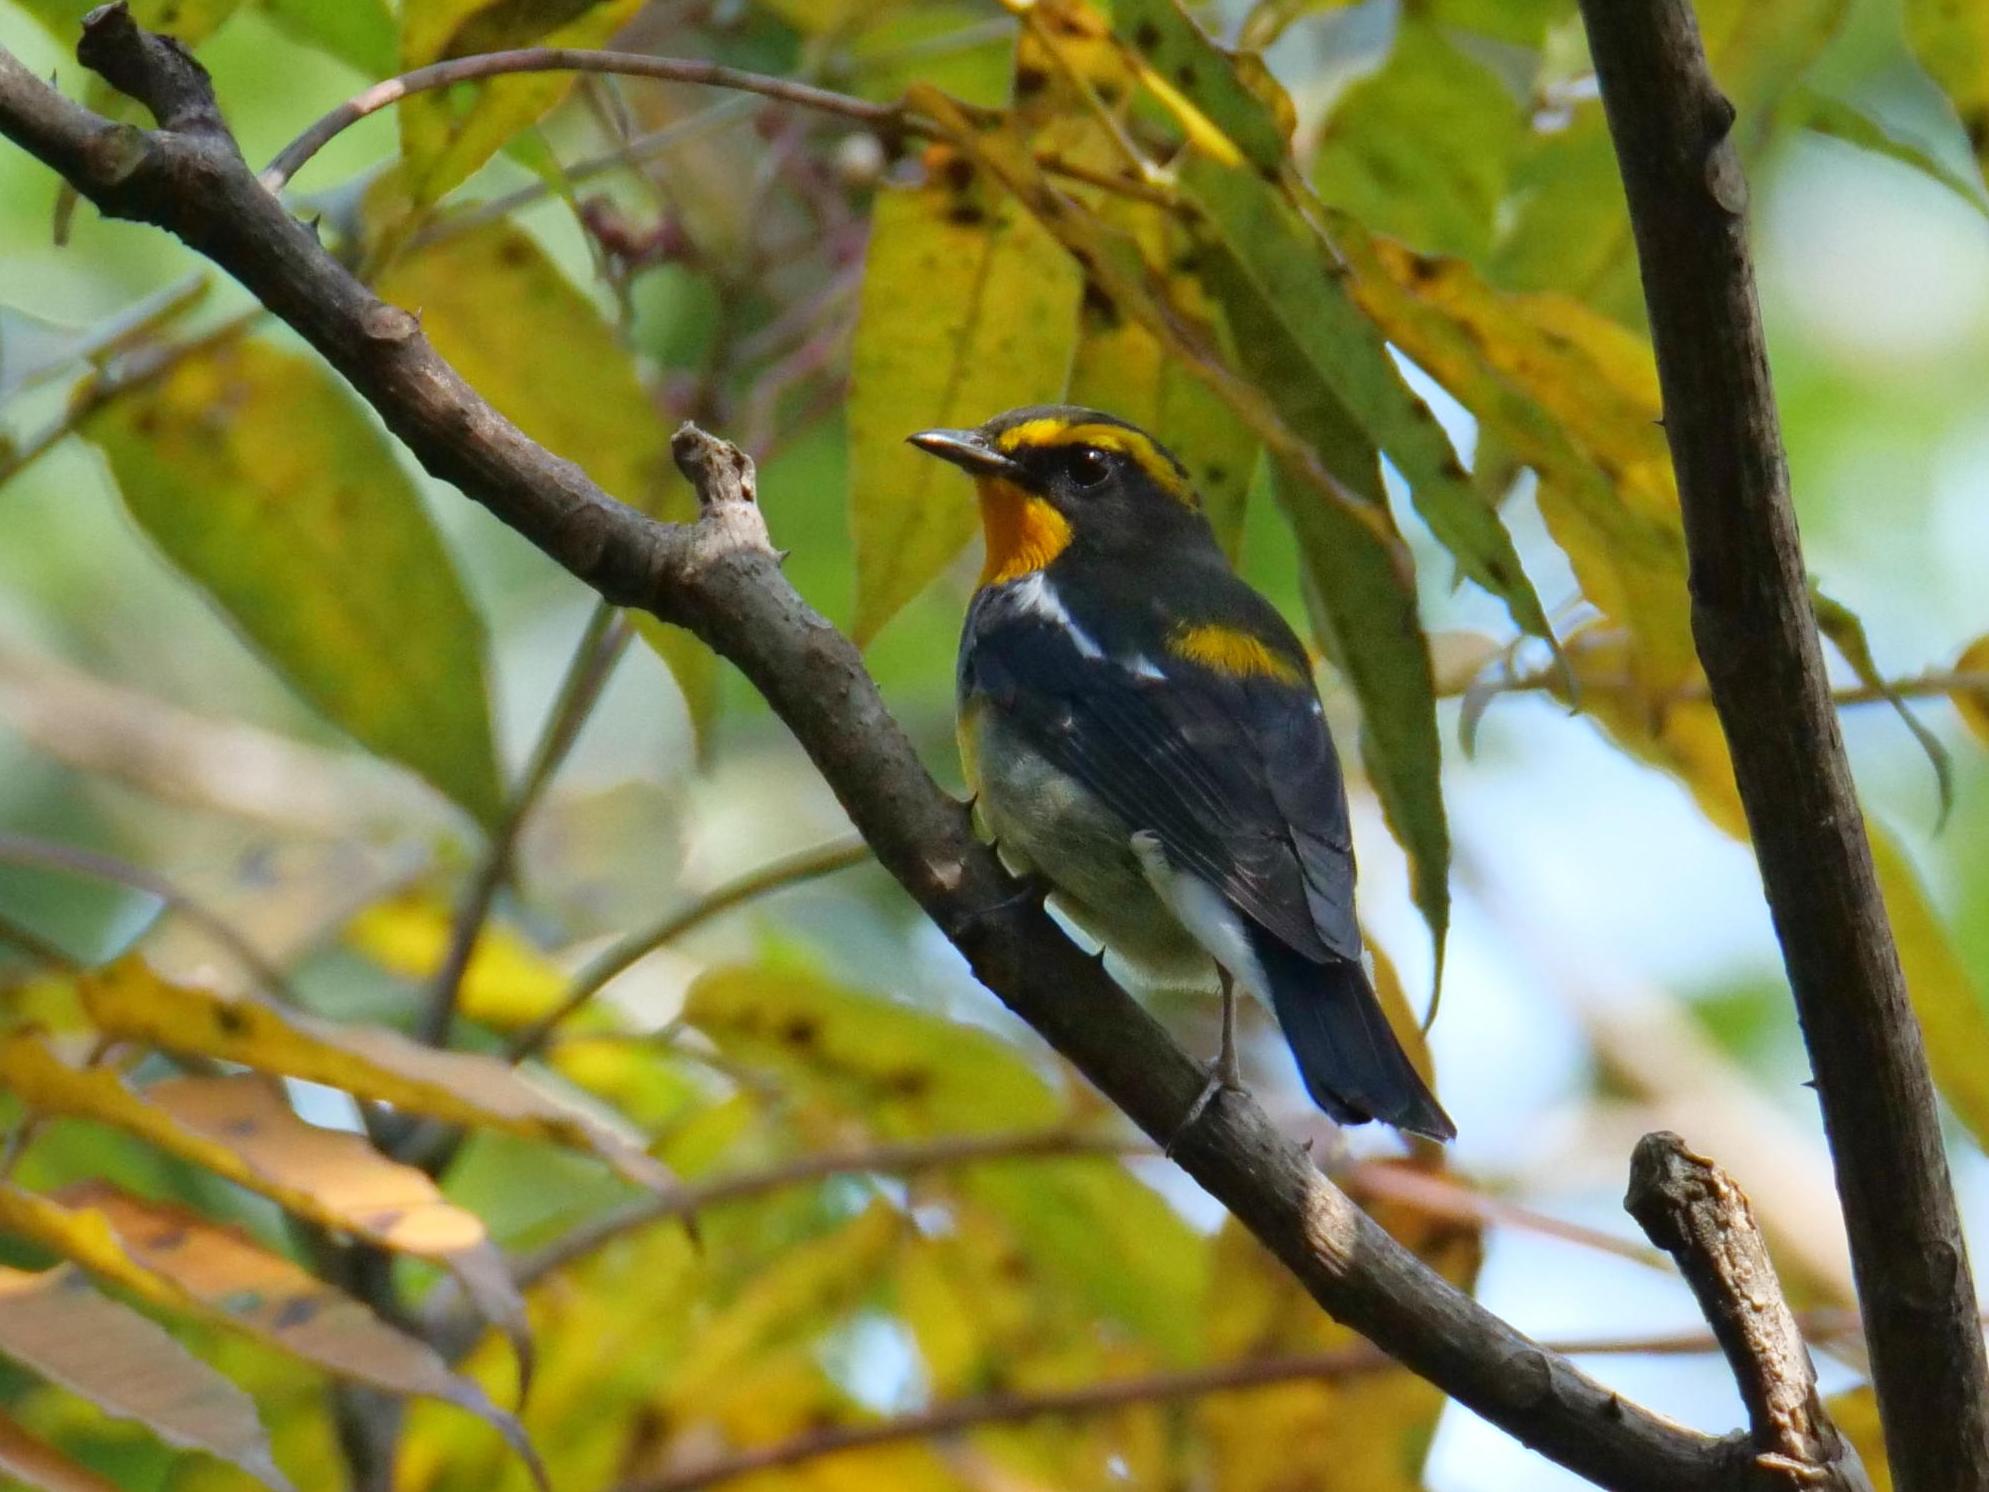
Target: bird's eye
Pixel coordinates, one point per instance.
(1089, 466)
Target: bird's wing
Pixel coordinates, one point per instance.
(1237, 776)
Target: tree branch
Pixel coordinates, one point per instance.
(954, 1416)
(1693, 1211)
(1757, 638)
(721, 578)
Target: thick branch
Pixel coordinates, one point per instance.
(721, 578)
(1757, 637)
(1693, 1211)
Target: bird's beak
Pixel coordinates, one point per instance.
(967, 449)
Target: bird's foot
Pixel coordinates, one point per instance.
(1224, 1077)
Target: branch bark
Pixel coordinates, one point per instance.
(1692, 1210)
(721, 578)
(1757, 638)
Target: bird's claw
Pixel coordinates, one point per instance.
(1224, 1076)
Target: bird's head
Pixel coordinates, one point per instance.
(1054, 477)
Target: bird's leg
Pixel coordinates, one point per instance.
(1225, 1073)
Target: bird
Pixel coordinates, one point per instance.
(1140, 729)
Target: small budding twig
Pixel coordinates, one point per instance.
(1693, 1211)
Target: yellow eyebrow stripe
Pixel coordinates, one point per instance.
(1233, 652)
(1045, 434)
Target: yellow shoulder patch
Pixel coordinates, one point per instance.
(1161, 469)
(1232, 651)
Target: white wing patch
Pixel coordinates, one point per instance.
(1210, 920)
(1033, 595)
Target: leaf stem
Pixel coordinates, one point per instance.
(806, 865)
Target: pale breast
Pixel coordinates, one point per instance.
(1043, 819)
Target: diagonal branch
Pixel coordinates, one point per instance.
(1756, 633)
(1693, 1211)
(721, 578)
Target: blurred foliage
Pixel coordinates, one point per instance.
(1377, 291)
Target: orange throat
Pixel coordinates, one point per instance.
(1024, 533)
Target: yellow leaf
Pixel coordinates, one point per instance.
(444, 139)
(1120, 366)
(241, 1128)
(796, 1297)
(178, 1259)
(128, 1000)
(57, 1325)
(968, 309)
(1368, 1433)
(34, 1463)
(555, 368)
(1973, 704)
(908, 1072)
(508, 984)
(1855, 1413)
(262, 479)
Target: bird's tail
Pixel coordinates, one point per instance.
(1353, 1066)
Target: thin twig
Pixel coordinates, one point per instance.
(956, 1415)
(1693, 1211)
(807, 865)
(908, 1158)
(885, 117)
(1755, 629)
(601, 644)
(1438, 1195)
(101, 388)
(42, 854)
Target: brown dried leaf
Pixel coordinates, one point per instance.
(35, 1463)
(56, 1324)
(129, 1000)
(169, 1254)
(242, 1128)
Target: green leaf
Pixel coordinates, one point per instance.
(1841, 120)
(1303, 288)
(359, 33)
(1570, 232)
(1361, 589)
(1228, 104)
(907, 1073)
(1423, 149)
(57, 1325)
(445, 137)
(1844, 629)
(553, 366)
(259, 477)
(1951, 39)
(968, 309)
